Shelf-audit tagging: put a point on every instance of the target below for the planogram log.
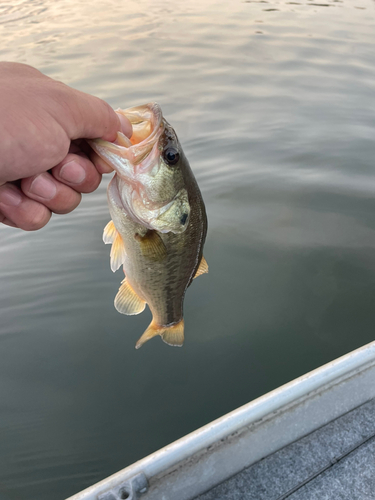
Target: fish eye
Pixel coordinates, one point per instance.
(171, 156)
(184, 218)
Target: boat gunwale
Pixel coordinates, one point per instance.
(171, 457)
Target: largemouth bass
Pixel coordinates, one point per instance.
(159, 222)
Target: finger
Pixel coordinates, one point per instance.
(78, 172)
(7, 222)
(94, 118)
(19, 211)
(55, 195)
(126, 126)
(102, 166)
(79, 147)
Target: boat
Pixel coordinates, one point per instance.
(313, 437)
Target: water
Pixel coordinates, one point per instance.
(274, 105)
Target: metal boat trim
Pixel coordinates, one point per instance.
(235, 440)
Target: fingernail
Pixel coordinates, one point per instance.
(43, 186)
(10, 196)
(73, 172)
(126, 126)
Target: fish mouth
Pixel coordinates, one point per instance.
(141, 150)
(146, 121)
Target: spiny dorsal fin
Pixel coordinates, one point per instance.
(202, 268)
(127, 301)
(171, 335)
(152, 246)
(118, 253)
(109, 233)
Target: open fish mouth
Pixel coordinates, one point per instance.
(146, 121)
(141, 150)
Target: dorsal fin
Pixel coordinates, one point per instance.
(202, 268)
(127, 301)
(118, 253)
(109, 233)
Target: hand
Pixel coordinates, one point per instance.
(45, 164)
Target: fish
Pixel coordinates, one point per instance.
(159, 222)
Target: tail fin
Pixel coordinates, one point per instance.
(171, 335)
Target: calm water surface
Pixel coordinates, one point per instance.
(274, 105)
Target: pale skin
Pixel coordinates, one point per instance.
(45, 163)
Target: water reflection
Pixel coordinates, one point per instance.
(26, 11)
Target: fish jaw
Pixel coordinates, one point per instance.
(114, 156)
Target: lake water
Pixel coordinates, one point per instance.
(274, 105)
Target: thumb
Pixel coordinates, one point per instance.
(94, 118)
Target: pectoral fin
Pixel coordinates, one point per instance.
(109, 233)
(127, 301)
(203, 267)
(118, 253)
(171, 335)
(152, 246)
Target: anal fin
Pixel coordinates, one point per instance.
(202, 268)
(172, 335)
(127, 301)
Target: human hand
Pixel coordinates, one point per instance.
(45, 164)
